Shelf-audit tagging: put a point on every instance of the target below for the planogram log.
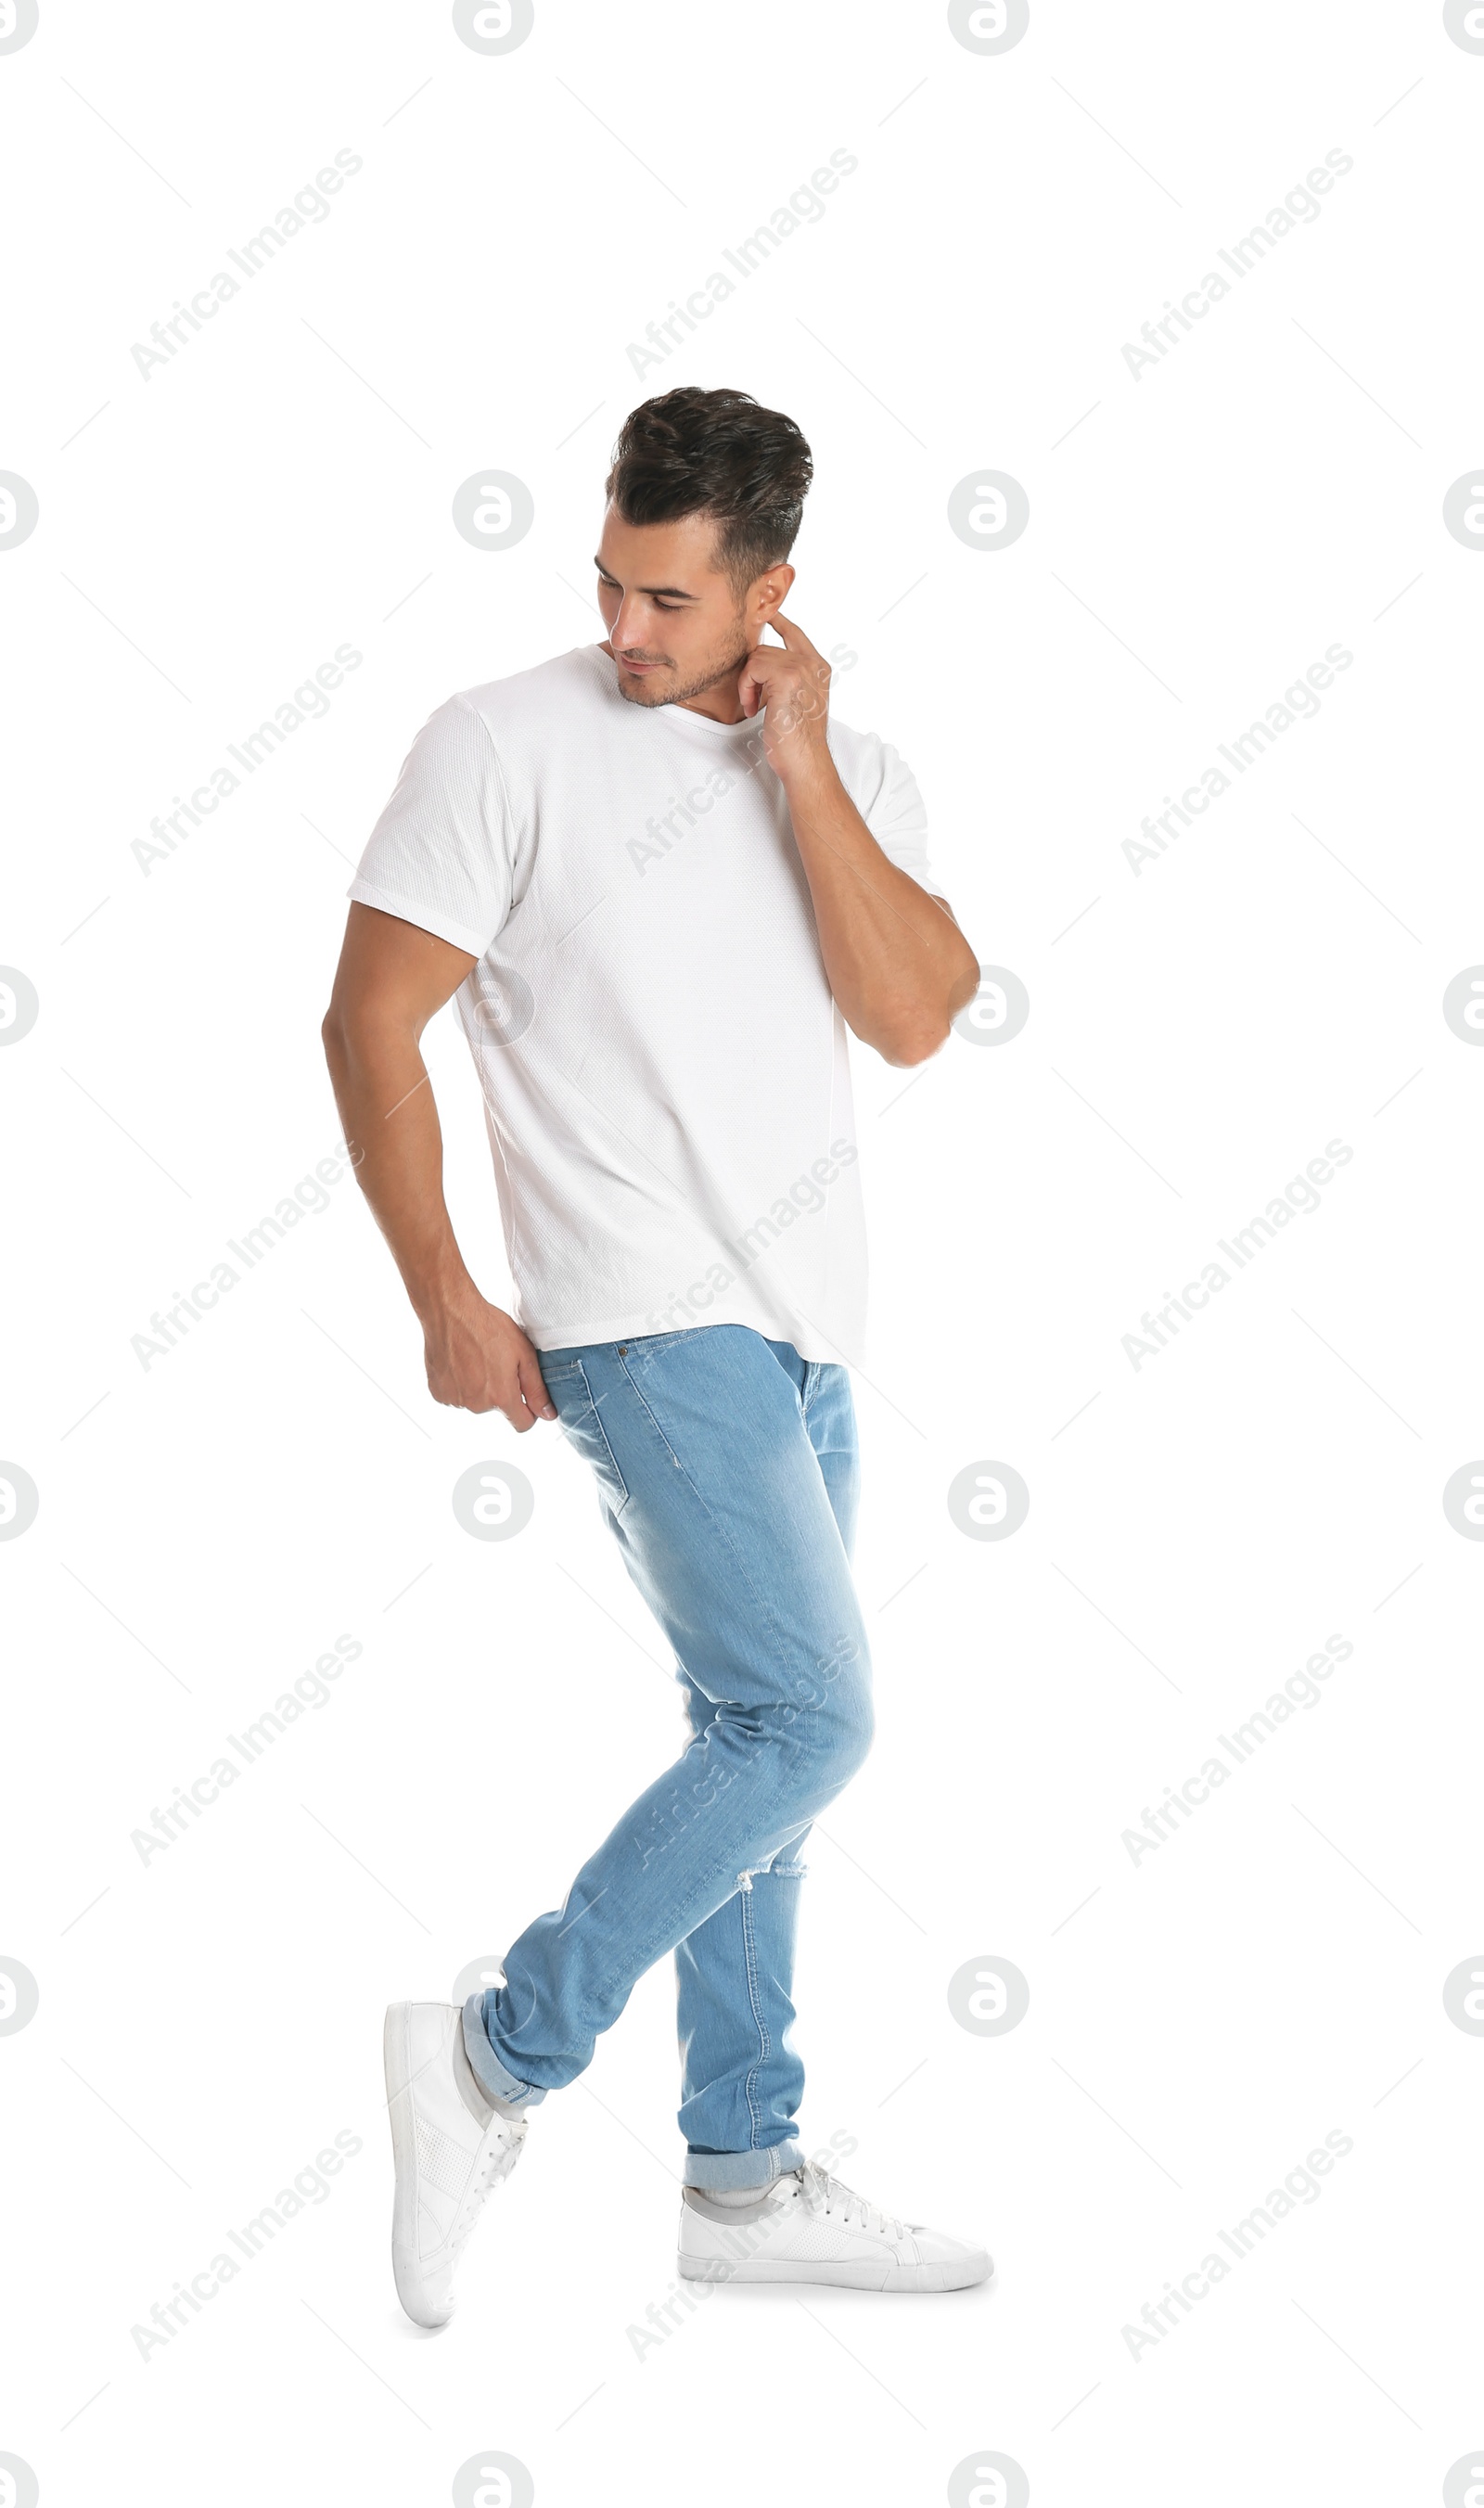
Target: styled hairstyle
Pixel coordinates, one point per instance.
(718, 453)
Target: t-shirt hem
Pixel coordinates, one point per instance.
(591, 1333)
(407, 909)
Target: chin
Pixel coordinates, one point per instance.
(641, 693)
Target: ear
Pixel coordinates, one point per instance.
(771, 590)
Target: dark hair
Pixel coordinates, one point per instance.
(694, 451)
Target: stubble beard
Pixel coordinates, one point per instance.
(725, 665)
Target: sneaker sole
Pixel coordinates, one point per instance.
(964, 2274)
(404, 2153)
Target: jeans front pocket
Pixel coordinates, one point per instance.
(582, 1428)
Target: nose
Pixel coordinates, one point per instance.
(627, 630)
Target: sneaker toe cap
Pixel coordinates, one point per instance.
(962, 2261)
(427, 2297)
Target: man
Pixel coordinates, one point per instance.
(662, 884)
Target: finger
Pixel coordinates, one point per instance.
(794, 637)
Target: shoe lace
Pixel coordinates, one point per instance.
(496, 2162)
(823, 2192)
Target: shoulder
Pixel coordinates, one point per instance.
(530, 700)
(476, 731)
(847, 746)
(866, 763)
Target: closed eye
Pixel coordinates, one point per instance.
(668, 599)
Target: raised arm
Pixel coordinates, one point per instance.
(898, 964)
(390, 979)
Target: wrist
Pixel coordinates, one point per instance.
(441, 1294)
(810, 774)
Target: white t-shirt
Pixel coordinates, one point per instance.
(665, 1072)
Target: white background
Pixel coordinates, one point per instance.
(1199, 1030)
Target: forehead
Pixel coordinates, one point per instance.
(652, 557)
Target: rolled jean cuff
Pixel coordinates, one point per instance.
(731, 2170)
(488, 2072)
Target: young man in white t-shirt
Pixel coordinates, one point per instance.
(662, 884)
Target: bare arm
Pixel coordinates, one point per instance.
(898, 964)
(390, 979)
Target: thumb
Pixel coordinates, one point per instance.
(532, 1386)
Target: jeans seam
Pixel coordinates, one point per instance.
(602, 1438)
(764, 2044)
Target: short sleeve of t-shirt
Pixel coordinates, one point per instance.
(441, 855)
(893, 810)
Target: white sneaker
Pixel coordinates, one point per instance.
(810, 2228)
(450, 2146)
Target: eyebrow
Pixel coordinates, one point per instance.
(666, 591)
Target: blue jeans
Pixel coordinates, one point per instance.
(727, 1470)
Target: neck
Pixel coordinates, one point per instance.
(721, 701)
